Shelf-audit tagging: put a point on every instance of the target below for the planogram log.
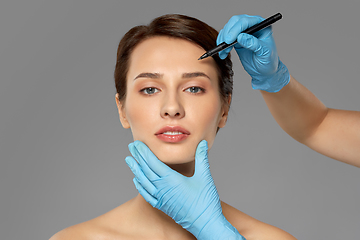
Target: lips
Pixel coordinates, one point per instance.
(172, 134)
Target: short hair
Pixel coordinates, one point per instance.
(176, 26)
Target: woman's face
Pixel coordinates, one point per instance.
(172, 99)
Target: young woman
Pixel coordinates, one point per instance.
(174, 105)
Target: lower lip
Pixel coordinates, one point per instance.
(172, 138)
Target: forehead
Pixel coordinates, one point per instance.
(165, 54)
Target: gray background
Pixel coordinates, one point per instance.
(63, 148)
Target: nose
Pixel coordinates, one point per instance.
(172, 107)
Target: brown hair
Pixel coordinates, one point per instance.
(177, 26)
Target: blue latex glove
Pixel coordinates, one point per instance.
(257, 53)
(193, 202)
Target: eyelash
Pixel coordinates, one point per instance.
(144, 89)
(202, 90)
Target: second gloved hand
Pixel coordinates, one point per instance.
(193, 202)
(257, 53)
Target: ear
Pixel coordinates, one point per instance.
(122, 114)
(225, 112)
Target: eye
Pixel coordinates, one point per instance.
(149, 90)
(195, 90)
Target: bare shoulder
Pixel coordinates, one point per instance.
(111, 225)
(90, 230)
(252, 228)
(78, 231)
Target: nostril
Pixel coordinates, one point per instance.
(168, 114)
(172, 109)
(177, 114)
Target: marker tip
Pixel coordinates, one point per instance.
(203, 56)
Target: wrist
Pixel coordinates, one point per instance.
(273, 83)
(221, 229)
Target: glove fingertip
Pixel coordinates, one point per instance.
(141, 147)
(128, 161)
(130, 146)
(150, 199)
(243, 39)
(219, 37)
(135, 145)
(201, 149)
(201, 158)
(204, 144)
(138, 143)
(222, 55)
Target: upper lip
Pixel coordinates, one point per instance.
(172, 129)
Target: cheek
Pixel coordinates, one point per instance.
(141, 115)
(207, 115)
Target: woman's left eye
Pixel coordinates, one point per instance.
(194, 89)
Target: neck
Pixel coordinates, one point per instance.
(157, 221)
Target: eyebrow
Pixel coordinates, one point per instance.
(195, 74)
(158, 75)
(149, 75)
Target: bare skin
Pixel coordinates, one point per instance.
(173, 102)
(332, 132)
(127, 222)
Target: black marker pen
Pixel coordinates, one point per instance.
(267, 22)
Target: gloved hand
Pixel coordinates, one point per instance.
(193, 202)
(257, 53)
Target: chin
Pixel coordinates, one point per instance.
(172, 153)
(183, 163)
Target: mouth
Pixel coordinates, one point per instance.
(172, 134)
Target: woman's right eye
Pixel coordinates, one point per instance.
(149, 90)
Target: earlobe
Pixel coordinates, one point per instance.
(122, 114)
(225, 113)
(222, 121)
